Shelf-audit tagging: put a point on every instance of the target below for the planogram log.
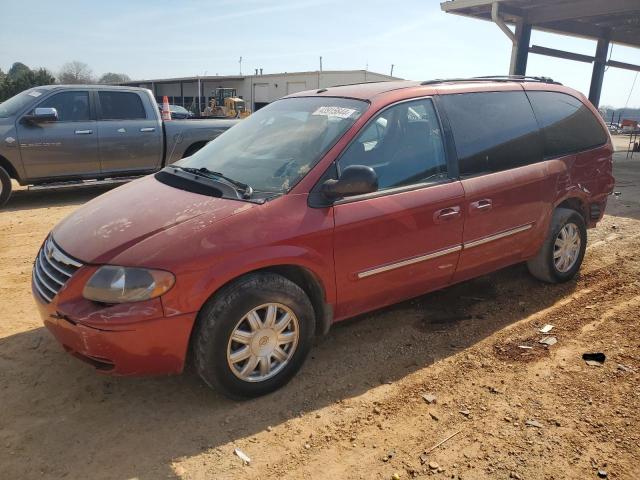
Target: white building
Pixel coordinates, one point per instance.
(257, 90)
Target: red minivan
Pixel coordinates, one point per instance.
(323, 205)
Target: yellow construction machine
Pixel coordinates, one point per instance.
(225, 103)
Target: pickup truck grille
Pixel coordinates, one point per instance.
(52, 269)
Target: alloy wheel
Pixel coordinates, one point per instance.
(263, 342)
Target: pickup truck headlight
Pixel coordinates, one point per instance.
(112, 284)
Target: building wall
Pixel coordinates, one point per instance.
(280, 85)
(257, 90)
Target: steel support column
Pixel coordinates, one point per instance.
(597, 77)
(520, 49)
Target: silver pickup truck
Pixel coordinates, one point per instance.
(61, 135)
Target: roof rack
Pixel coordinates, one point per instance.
(494, 78)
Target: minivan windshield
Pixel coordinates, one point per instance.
(16, 103)
(273, 148)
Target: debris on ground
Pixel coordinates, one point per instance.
(594, 359)
(242, 456)
(602, 474)
(546, 328)
(429, 398)
(434, 416)
(548, 341)
(533, 423)
(624, 368)
(443, 441)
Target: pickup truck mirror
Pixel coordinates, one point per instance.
(42, 115)
(354, 180)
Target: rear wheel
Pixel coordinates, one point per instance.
(254, 335)
(562, 253)
(5, 186)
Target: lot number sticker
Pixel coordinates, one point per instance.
(339, 112)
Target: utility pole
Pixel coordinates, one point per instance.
(240, 62)
(391, 74)
(321, 63)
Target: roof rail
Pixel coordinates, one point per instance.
(494, 78)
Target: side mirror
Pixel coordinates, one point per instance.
(354, 180)
(43, 115)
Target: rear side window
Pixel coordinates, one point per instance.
(567, 124)
(71, 106)
(121, 106)
(493, 131)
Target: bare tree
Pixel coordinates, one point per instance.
(75, 72)
(111, 77)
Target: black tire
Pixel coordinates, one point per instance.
(193, 149)
(220, 316)
(542, 266)
(5, 186)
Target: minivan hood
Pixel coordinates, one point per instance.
(116, 220)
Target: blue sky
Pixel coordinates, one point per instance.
(159, 39)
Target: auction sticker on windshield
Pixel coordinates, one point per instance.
(339, 112)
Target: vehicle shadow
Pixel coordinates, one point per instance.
(23, 199)
(61, 419)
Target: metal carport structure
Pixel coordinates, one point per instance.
(606, 21)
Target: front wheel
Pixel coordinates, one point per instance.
(5, 186)
(253, 335)
(562, 252)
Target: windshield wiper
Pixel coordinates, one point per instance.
(243, 188)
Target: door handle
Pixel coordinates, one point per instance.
(148, 129)
(484, 204)
(84, 132)
(447, 213)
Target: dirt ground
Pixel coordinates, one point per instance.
(355, 411)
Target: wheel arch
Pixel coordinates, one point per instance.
(193, 148)
(302, 276)
(575, 203)
(313, 287)
(8, 166)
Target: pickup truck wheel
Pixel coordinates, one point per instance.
(5, 186)
(253, 335)
(561, 255)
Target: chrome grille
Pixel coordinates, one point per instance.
(52, 269)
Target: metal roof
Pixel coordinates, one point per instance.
(215, 78)
(615, 20)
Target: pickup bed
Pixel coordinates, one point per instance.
(65, 135)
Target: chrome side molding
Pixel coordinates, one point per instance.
(498, 236)
(441, 253)
(409, 261)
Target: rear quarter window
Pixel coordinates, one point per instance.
(121, 106)
(568, 125)
(493, 131)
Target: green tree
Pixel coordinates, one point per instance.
(111, 77)
(18, 69)
(21, 77)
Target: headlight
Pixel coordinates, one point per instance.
(111, 284)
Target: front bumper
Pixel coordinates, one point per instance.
(126, 339)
